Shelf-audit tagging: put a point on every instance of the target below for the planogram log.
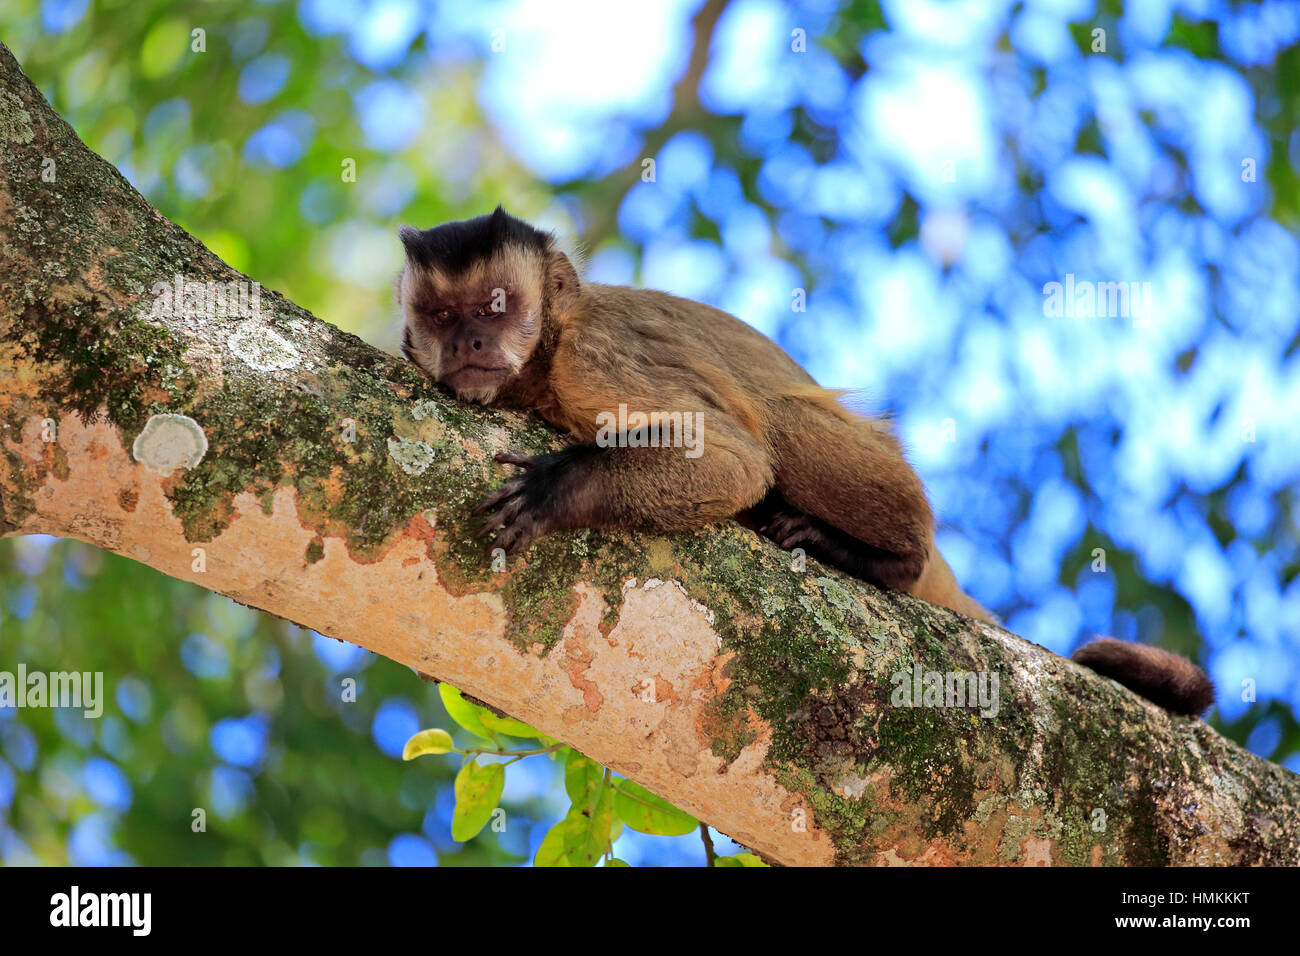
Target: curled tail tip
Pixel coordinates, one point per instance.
(1162, 677)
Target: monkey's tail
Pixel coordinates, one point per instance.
(1163, 678)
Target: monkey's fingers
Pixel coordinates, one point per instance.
(515, 537)
(510, 458)
(507, 490)
(491, 526)
(502, 518)
(787, 530)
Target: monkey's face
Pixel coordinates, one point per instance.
(474, 329)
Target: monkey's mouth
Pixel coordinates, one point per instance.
(475, 376)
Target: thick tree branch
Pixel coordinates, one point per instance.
(282, 462)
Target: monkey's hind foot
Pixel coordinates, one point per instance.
(791, 528)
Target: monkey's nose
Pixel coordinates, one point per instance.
(478, 344)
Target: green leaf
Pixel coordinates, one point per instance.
(506, 725)
(586, 829)
(433, 741)
(740, 859)
(478, 791)
(462, 711)
(590, 820)
(551, 851)
(583, 779)
(615, 861)
(479, 720)
(643, 811)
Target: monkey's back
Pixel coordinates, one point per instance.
(658, 352)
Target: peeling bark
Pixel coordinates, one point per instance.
(296, 469)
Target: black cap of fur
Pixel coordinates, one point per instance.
(455, 246)
(1167, 679)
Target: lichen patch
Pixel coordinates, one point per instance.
(262, 348)
(168, 442)
(413, 457)
(425, 409)
(15, 122)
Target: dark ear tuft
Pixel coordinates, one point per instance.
(414, 242)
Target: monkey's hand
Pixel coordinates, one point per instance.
(533, 503)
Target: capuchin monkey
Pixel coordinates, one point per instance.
(683, 415)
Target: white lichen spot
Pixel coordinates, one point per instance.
(29, 220)
(413, 457)
(695, 605)
(837, 595)
(425, 409)
(850, 786)
(497, 439)
(169, 442)
(1032, 798)
(320, 330)
(654, 583)
(15, 122)
(708, 615)
(262, 348)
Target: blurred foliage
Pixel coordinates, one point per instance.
(247, 144)
(264, 737)
(261, 183)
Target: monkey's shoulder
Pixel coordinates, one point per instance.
(641, 309)
(659, 328)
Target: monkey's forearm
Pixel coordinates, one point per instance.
(587, 486)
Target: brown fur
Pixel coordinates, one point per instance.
(777, 447)
(1173, 682)
(767, 424)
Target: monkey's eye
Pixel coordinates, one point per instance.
(442, 316)
(485, 310)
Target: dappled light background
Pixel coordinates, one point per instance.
(888, 189)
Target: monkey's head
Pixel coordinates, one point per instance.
(477, 296)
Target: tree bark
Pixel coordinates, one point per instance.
(277, 460)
